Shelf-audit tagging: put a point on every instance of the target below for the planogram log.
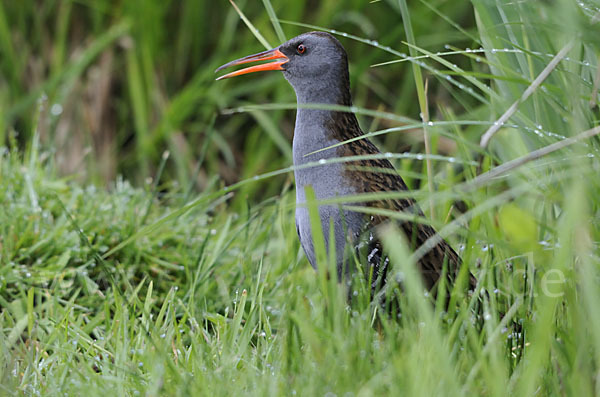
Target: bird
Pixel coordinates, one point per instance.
(316, 66)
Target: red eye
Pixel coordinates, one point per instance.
(301, 49)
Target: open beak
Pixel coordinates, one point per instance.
(261, 56)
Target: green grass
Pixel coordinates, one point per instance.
(184, 276)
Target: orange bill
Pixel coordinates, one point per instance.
(261, 56)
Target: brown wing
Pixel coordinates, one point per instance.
(379, 175)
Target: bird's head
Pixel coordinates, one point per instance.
(314, 63)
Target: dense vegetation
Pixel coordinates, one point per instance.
(147, 237)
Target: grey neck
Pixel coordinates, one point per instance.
(311, 136)
(311, 132)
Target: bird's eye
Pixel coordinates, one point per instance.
(301, 49)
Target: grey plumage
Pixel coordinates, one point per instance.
(316, 66)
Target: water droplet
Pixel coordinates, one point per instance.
(56, 109)
(430, 123)
(388, 154)
(322, 161)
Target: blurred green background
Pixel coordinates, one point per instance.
(110, 85)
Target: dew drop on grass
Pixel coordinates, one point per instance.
(430, 123)
(322, 161)
(56, 109)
